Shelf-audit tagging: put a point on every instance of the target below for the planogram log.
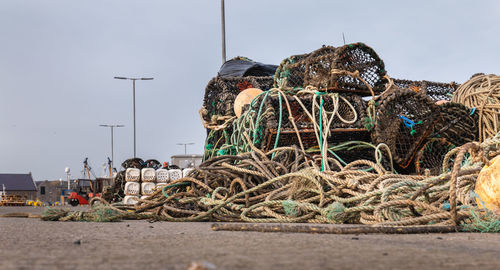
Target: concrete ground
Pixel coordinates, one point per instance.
(29, 243)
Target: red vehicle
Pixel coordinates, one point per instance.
(86, 189)
(83, 193)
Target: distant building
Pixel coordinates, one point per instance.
(51, 191)
(186, 161)
(18, 184)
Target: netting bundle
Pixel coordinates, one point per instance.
(404, 119)
(431, 156)
(457, 124)
(329, 68)
(435, 90)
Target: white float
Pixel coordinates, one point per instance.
(132, 188)
(147, 188)
(130, 200)
(148, 175)
(175, 174)
(133, 175)
(162, 176)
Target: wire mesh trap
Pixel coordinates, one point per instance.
(221, 92)
(431, 155)
(325, 69)
(457, 123)
(435, 90)
(404, 119)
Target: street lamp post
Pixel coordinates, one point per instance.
(112, 150)
(133, 93)
(185, 146)
(223, 24)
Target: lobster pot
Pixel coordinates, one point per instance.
(431, 156)
(130, 200)
(435, 90)
(221, 92)
(186, 172)
(132, 188)
(133, 163)
(218, 106)
(175, 174)
(321, 69)
(404, 119)
(133, 175)
(457, 123)
(162, 176)
(288, 137)
(148, 175)
(147, 188)
(347, 113)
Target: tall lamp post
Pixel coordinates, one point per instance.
(185, 146)
(112, 150)
(133, 92)
(223, 24)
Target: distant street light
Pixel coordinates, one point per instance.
(112, 151)
(185, 146)
(133, 92)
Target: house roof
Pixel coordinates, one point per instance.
(17, 181)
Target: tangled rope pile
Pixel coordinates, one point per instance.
(482, 92)
(256, 187)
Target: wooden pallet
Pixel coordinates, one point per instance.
(12, 203)
(13, 200)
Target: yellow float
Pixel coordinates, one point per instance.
(488, 186)
(245, 97)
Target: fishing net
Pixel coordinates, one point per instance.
(324, 69)
(431, 156)
(457, 123)
(404, 119)
(435, 90)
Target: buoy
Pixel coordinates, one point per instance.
(488, 186)
(245, 97)
(443, 101)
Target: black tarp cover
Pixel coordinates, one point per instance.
(242, 67)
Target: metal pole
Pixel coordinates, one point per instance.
(133, 87)
(185, 149)
(112, 152)
(223, 22)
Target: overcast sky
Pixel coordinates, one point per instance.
(58, 59)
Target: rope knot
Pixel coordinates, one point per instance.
(290, 207)
(336, 212)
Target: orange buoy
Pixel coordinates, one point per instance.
(245, 97)
(488, 186)
(439, 102)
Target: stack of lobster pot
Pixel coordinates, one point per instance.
(327, 90)
(133, 185)
(148, 184)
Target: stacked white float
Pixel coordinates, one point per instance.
(144, 182)
(133, 186)
(148, 182)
